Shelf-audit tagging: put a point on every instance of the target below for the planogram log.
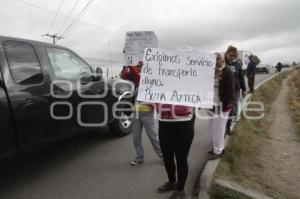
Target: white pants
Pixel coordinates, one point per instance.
(217, 125)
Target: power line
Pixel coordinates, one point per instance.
(78, 16)
(68, 32)
(67, 18)
(54, 37)
(53, 12)
(53, 21)
(36, 6)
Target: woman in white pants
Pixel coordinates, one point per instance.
(223, 103)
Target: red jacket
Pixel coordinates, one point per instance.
(132, 74)
(124, 74)
(168, 111)
(135, 75)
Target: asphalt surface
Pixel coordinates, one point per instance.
(95, 165)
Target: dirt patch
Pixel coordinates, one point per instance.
(280, 155)
(264, 155)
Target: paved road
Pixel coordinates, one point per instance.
(95, 165)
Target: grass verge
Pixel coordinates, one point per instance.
(224, 193)
(242, 150)
(294, 100)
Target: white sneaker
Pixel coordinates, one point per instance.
(136, 162)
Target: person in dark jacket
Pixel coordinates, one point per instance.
(278, 67)
(223, 104)
(239, 83)
(251, 68)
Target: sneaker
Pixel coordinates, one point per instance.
(212, 151)
(168, 186)
(136, 162)
(178, 195)
(215, 156)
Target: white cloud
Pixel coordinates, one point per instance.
(269, 28)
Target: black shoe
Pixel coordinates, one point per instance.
(178, 195)
(229, 133)
(215, 156)
(166, 187)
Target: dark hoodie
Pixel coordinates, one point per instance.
(238, 75)
(226, 88)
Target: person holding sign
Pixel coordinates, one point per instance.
(176, 133)
(223, 104)
(132, 73)
(177, 81)
(124, 73)
(143, 117)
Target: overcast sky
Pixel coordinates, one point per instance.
(268, 28)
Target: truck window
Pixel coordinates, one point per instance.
(67, 65)
(23, 62)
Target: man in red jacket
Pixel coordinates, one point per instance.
(124, 73)
(143, 118)
(132, 73)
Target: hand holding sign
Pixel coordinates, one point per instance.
(180, 78)
(135, 43)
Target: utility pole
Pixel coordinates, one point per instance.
(54, 37)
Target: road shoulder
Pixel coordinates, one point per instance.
(242, 163)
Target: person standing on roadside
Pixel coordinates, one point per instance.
(223, 104)
(143, 117)
(239, 83)
(251, 68)
(176, 133)
(278, 67)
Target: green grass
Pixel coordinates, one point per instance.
(218, 192)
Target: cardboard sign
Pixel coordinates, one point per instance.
(176, 77)
(135, 43)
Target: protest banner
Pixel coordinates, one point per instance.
(176, 77)
(135, 43)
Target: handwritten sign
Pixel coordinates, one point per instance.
(135, 43)
(176, 77)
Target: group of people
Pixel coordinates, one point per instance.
(176, 123)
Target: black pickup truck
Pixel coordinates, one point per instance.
(49, 93)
